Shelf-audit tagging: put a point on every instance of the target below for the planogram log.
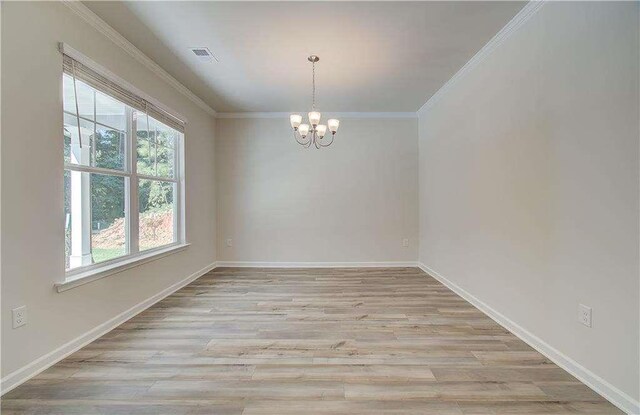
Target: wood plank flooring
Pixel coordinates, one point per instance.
(314, 341)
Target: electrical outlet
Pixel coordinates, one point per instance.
(229, 242)
(584, 315)
(405, 242)
(19, 316)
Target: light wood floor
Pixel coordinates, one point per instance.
(323, 341)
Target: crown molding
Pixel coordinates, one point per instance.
(332, 114)
(103, 27)
(514, 24)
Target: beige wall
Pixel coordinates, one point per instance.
(529, 183)
(527, 178)
(352, 202)
(32, 169)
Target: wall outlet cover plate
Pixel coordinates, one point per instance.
(584, 315)
(19, 316)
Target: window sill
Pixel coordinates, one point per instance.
(99, 272)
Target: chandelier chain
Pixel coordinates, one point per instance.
(313, 105)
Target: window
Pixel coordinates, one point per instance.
(122, 178)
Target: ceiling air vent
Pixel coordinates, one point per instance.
(204, 54)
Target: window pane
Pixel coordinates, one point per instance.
(67, 142)
(103, 147)
(156, 147)
(110, 112)
(67, 218)
(108, 232)
(94, 218)
(86, 97)
(164, 161)
(164, 135)
(157, 219)
(141, 124)
(109, 148)
(68, 96)
(146, 151)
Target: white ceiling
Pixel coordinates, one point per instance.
(374, 56)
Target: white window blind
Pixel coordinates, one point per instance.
(82, 72)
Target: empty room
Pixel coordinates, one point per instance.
(340, 207)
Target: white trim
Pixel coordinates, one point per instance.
(584, 375)
(90, 63)
(328, 114)
(258, 264)
(97, 170)
(158, 178)
(514, 24)
(84, 275)
(103, 27)
(32, 369)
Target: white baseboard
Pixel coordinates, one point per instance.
(257, 264)
(32, 369)
(595, 382)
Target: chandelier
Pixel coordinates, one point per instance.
(313, 132)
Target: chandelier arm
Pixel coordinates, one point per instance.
(302, 143)
(330, 142)
(315, 140)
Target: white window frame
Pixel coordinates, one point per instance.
(80, 275)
